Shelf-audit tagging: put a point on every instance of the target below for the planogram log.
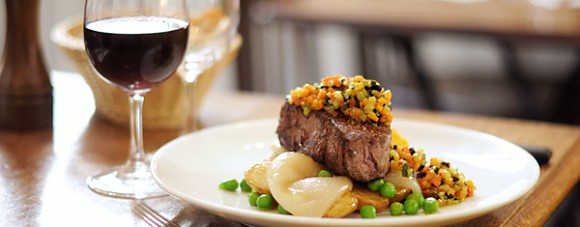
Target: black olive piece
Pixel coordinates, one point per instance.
(421, 167)
(376, 87)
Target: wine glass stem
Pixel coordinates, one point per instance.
(190, 118)
(137, 155)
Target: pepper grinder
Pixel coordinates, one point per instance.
(26, 101)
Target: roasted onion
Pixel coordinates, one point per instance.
(397, 178)
(293, 182)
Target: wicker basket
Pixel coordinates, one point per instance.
(164, 105)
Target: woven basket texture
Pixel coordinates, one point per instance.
(164, 106)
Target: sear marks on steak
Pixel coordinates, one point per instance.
(354, 149)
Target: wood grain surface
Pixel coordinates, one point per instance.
(42, 173)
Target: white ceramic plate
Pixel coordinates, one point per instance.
(192, 166)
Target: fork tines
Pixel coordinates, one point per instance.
(150, 216)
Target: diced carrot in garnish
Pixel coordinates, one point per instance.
(331, 81)
(355, 97)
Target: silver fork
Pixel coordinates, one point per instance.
(150, 216)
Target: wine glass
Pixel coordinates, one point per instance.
(135, 45)
(213, 27)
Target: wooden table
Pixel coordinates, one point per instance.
(42, 173)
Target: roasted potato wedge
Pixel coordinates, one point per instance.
(367, 197)
(345, 205)
(401, 194)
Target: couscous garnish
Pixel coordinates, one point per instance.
(437, 178)
(362, 99)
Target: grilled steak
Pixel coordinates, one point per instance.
(354, 149)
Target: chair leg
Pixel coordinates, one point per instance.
(366, 47)
(516, 79)
(423, 80)
(568, 101)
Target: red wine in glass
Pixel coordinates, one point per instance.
(136, 53)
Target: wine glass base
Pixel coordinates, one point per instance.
(126, 185)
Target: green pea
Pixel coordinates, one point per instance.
(375, 185)
(388, 190)
(418, 197)
(368, 211)
(265, 202)
(431, 205)
(281, 210)
(324, 173)
(245, 186)
(411, 206)
(252, 198)
(396, 209)
(229, 185)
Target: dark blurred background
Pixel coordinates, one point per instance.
(464, 72)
